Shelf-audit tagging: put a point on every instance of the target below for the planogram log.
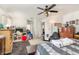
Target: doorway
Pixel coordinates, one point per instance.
(43, 30)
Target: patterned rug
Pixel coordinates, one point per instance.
(19, 48)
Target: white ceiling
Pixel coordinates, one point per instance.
(32, 11)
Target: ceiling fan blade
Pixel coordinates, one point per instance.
(51, 6)
(40, 13)
(53, 11)
(40, 8)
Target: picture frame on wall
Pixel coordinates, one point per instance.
(58, 24)
(55, 24)
(73, 21)
(67, 24)
(77, 21)
(70, 22)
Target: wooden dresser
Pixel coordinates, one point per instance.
(8, 40)
(66, 32)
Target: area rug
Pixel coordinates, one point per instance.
(19, 48)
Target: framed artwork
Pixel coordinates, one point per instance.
(77, 21)
(73, 21)
(67, 23)
(55, 24)
(70, 22)
(29, 22)
(58, 24)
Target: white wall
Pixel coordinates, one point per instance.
(49, 24)
(72, 16)
(18, 19)
(36, 27)
(2, 12)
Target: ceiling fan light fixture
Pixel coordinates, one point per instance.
(47, 10)
(46, 14)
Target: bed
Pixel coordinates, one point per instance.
(50, 49)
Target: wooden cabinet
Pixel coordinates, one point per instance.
(2, 42)
(8, 40)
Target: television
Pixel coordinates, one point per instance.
(19, 29)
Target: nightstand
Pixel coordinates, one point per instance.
(76, 36)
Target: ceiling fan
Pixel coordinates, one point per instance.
(47, 9)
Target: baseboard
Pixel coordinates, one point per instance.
(31, 53)
(46, 40)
